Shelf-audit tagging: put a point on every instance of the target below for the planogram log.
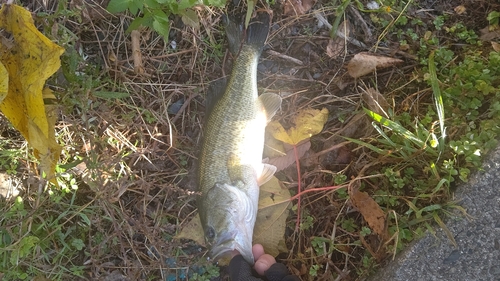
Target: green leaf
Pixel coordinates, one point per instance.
(160, 15)
(118, 6)
(78, 244)
(162, 27)
(186, 4)
(85, 218)
(250, 8)
(135, 6)
(25, 246)
(111, 95)
(153, 4)
(216, 3)
(136, 23)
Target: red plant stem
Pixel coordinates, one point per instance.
(317, 189)
(299, 186)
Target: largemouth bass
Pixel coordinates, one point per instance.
(230, 162)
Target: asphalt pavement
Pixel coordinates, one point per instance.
(477, 255)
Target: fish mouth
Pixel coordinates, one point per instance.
(230, 244)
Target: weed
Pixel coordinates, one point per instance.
(155, 13)
(313, 270)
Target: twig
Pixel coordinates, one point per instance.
(285, 57)
(364, 25)
(135, 37)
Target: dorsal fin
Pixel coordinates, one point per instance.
(271, 103)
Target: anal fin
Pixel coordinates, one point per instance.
(266, 174)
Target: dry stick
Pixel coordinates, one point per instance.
(135, 37)
(362, 22)
(285, 57)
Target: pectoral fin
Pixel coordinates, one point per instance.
(271, 103)
(267, 173)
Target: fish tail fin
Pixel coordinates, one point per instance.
(255, 35)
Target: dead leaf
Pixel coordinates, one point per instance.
(369, 209)
(274, 203)
(192, 231)
(375, 101)
(282, 162)
(495, 45)
(190, 18)
(489, 33)
(336, 47)
(297, 7)
(460, 9)
(307, 122)
(30, 59)
(365, 63)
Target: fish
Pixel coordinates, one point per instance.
(230, 168)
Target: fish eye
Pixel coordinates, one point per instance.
(210, 233)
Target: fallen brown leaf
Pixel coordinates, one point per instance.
(369, 209)
(297, 7)
(365, 63)
(336, 47)
(375, 101)
(496, 46)
(489, 34)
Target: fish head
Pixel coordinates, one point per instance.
(228, 217)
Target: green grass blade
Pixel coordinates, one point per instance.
(389, 142)
(438, 99)
(395, 127)
(446, 230)
(369, 146)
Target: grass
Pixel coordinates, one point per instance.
(130, 140)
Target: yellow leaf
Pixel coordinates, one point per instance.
(30, 60)
(308, 122)
(274, 202)
(193, 231)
